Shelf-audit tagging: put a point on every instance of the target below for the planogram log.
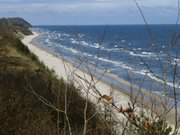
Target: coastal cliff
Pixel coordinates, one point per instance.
(32, 98)
(36, 96)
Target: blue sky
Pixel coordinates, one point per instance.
(87, 12)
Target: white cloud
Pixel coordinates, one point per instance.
(158, 3)
(58, 7)
(122, 9)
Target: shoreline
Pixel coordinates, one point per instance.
(61, 66)
(111, 79)
(118, 84)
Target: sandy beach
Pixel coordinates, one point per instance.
(66, 70)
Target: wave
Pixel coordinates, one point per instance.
(137, 49)
(176, 61)
(73, 41)
(98, 46)
(67, 48)
(141, 72)
(116, 63)
(152, 76)
(81, 35)
(85, 44)
(56, 35)
(65, 34)
(123, 41)
(75, 51)
(47, 41)
(115, 49)
(143, 54)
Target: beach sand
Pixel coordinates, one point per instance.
(67, 71)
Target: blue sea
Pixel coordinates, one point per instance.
(143, 56)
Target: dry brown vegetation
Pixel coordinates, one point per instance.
(24, 81)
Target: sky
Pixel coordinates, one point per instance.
(90, 12)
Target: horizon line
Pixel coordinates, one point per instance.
(99, 24)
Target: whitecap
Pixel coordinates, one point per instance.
(65, 35)
(147, 53)
(141, 72)
(153, 77)
(73, 41)
(116, 63)
(163, 46)
(142, 54)
(84, 43)
(176, 61)
(96, 45)
(87, 54)
(47, 40)
(80, 35)
(123, 41)
(136, 54)
(68, 49)
(59, 35)
(73, 50)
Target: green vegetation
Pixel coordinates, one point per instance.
(14, 27)
(24, 81)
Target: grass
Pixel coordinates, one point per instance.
(22, 113)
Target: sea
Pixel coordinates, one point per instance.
(145, 57)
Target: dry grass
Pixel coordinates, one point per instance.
(22, 113)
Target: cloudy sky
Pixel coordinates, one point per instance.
(77, 12)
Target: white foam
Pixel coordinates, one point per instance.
(68, 49)
(74, 50)
(147, 53)
(80, 35)
(84, 43)
(47, 40)
(65, 35)
(123, 41)
(113, 49)
(152, 76)
(73, 41)
(141, 72)
(96, 45)
(59, 35)
(137, 49)
(87, 54)
(143, 54)
(116, 63)
(176, 61)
